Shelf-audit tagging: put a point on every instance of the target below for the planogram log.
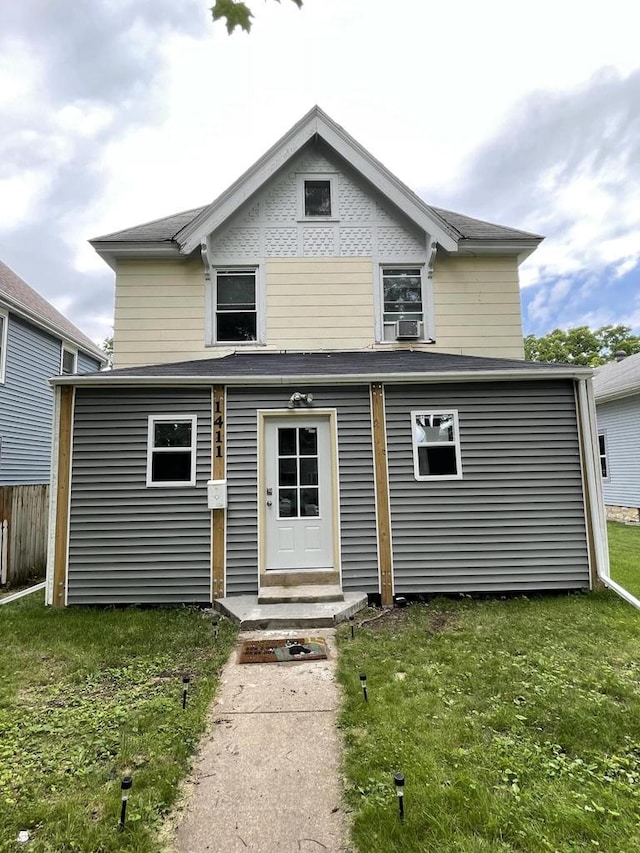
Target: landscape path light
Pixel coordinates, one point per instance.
(363, 682)
(125, 787)
(398, 780)
(185, 687)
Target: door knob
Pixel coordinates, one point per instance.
(269, 503)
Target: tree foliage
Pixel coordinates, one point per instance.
(235, 13)
(582, 345)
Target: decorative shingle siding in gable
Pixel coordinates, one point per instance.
(515, 521)
(363, 225)
(129, 543)
(620, 422)
(357, 498)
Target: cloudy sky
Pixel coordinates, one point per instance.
(115, 112)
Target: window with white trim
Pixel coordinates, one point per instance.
(436, 445)
(4, 325)
(171, 450)
(317, 196)
(404, 300)
(235, 305)
(68, 360)
(602, 449)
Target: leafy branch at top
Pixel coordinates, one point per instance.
(237, 14)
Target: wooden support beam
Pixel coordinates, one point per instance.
(218, 473)
(63, 491)
(383, 512)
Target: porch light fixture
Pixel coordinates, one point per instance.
(298, 399)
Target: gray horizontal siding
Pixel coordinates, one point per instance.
(86, 363)
(620, 421)
(516, 519)
(357, 497)
(129, 543)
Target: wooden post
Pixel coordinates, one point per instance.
(383, 513)
(62, 496)
(218, 473)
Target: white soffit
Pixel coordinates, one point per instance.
(315, 122)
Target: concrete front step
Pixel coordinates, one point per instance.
(245, 611)
(300, 594)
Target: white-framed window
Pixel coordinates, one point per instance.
(406, 308)
(4, 327)
(171, 450)
(436, 445)
(68, 360)
(602, 449)
(317, 196)
(235, 305)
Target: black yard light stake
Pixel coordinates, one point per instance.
(351, 622)
(185, 687)
(125, 785)
(398, 780)
(363, 681)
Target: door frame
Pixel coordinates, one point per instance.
(310, 575)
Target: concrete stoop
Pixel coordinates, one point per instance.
(247, 611)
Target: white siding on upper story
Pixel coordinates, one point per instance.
(477, 303)
(159, 312)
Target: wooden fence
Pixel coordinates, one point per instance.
(23, 532)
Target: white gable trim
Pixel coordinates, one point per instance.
(316, 122)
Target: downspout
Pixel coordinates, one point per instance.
(53, 494)
(596, 497)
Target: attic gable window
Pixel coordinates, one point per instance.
(236, 315)
(436, 445)
(317, 197)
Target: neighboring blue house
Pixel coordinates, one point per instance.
(617, 393)
(36, 343)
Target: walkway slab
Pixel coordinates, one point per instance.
(268, 775)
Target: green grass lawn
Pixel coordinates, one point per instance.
(87, 697)
(624, 547)
(516, 723)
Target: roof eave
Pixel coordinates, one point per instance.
(326, 379)
(522, 248)
(53, 329)
(610, 396)
(314, 122)
(113, 251)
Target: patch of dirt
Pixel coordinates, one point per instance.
(437, 622)
(395, 618)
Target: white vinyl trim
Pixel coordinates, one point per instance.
(587, 415)
(4, 318)
(417, 444)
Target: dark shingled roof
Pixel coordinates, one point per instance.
(18, 293)
(165, 230)
(344, 364)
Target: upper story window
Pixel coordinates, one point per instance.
(404, 300)
(4, 323)
(235, 306)
(171, 450)
(602, 448)
(68, 360)
(436, 445)
(317, 197)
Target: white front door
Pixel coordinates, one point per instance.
(298, 493)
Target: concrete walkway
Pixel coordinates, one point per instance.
(267, 778)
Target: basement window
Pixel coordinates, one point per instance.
(171, 451)
(436, 445)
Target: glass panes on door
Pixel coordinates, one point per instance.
(298, 494)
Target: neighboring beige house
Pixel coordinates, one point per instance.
(320, 390)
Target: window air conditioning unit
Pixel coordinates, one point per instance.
(407, 330)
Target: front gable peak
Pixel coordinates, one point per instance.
(316, 124)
